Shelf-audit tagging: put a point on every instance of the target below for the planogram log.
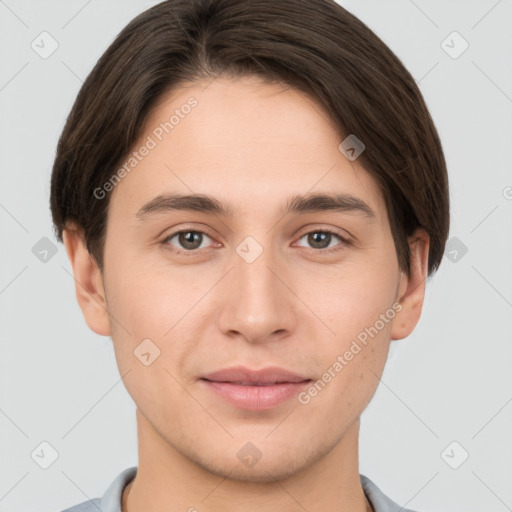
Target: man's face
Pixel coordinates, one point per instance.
(257, 288)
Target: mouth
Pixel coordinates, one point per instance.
(255, 390)
(252, 383)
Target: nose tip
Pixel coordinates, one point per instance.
(256, 305)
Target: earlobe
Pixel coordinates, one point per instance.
(89, 288)
(411, 291)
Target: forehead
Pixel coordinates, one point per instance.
(243, 140)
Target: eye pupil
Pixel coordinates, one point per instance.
(188, 238)
(318, 238)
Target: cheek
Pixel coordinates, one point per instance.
(353, 358)
(149, 299)
(357, 306)
(154, 313)
(352, 299)
(149, 347)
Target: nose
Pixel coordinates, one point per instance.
(257, 303)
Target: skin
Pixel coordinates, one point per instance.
(253, 145)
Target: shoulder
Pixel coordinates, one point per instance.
(380, 502)
(111, 500)
(86, 506)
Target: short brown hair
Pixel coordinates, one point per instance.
(315, 46)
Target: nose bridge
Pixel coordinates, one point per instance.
(257, 303)
(258, 286)
(257, 282)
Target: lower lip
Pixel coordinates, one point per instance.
(256, 398)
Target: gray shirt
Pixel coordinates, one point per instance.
(111, 500)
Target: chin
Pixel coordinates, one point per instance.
(269, 468)
(261, 473)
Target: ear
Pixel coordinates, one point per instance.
(411, 289)
(90, 292)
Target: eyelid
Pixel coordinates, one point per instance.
(343, 234)
(184, 229)
(344, 240)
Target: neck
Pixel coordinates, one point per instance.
(167, 480)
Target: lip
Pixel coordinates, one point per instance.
(255, 390)
(268, 375)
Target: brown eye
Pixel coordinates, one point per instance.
(187, 240)
(322, 239)
(319, 239)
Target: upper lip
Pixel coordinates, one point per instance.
(268, 375)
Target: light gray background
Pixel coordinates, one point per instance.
(449, 381)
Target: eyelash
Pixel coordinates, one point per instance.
(344, 241)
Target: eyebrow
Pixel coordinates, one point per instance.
(315, 202)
